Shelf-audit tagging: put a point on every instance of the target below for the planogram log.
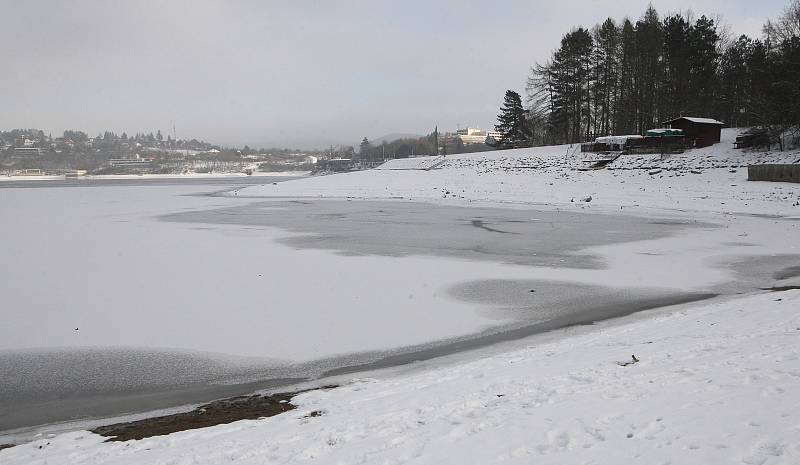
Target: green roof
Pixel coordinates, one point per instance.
(664, 132)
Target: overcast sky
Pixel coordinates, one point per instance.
(290, 73)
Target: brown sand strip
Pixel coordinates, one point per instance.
(211, 414)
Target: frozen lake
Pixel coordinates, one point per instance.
(121, 297)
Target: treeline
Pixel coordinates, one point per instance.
(398, 148)
(627, 77)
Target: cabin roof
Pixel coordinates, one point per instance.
(695, 119)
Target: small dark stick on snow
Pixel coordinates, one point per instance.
(633, 360)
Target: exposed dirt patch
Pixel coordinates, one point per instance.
(211, 414)
(5, 446)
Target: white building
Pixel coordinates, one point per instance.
(27, 151)
(470, 136)
(138, 161)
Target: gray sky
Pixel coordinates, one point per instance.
(290, 73)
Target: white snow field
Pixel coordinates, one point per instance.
(710, 179)
(716, 381)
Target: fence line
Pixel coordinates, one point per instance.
(776, 173)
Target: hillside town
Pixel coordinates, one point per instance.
(31, 152)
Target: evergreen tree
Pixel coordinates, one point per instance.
(606, 82)
(675, 91)
(702, 63)
(734, 78)
(627, 99)
(649, 46)
(781, 107)
(364, 148)
(512, 123)
(629, 78)
(571, 77)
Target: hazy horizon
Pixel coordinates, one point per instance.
(290, 74)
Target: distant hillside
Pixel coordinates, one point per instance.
(393, 136)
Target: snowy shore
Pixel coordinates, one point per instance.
(712, 179)
(21, 178)
(715, 382)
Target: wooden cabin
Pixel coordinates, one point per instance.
(704, 131)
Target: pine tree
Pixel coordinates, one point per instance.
(570, 71)
(364, 148)
(629, 78)
(675, 97)
(734, 78)
(649, 46)
(606, 63)
(702, 64)
(512, 123)
(625, 115)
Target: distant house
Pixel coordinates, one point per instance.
(338, 164)
(704, 131)
(128, 162)
(27, 151)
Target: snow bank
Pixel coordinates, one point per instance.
(712, 179)
(418, 163)
(716, 384)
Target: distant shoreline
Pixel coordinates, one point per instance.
(62, 177)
